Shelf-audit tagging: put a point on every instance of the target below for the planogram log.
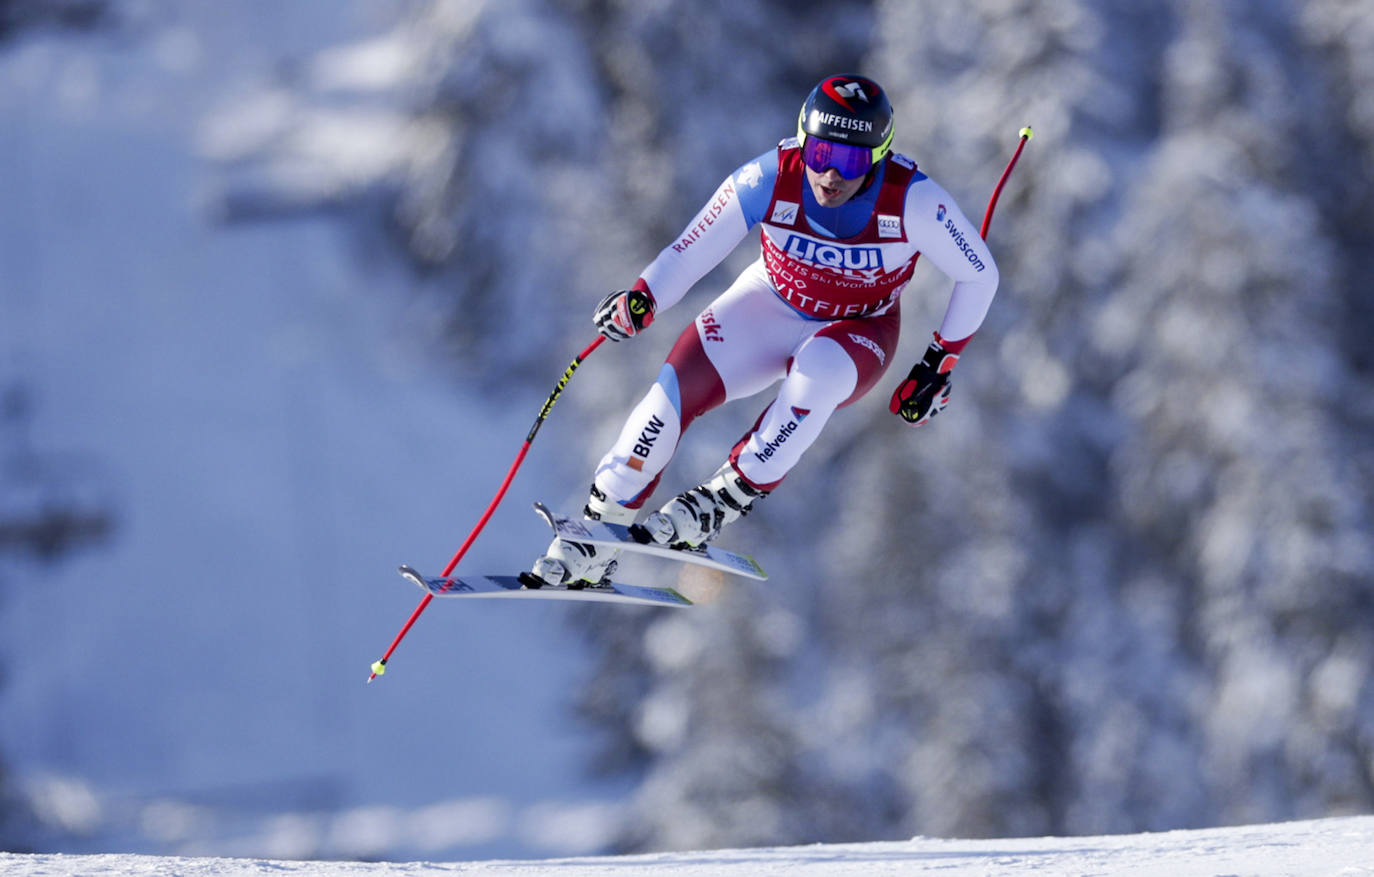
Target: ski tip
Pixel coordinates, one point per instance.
(545, 513)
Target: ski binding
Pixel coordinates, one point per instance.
(636, 540)
(515, 586)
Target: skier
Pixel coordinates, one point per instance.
(843, 219)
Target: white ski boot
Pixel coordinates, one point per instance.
(577, 564)
(694, 518)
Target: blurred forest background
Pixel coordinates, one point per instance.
(1125, 583)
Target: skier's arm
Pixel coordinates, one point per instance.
(951, 242)
(703, 244)
(947, 238)
(711, 235)
(737, 206)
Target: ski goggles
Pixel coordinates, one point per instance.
(848, 160)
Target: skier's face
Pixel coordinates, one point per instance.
(831, 189)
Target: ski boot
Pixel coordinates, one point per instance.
(694, 518)
(576, 564)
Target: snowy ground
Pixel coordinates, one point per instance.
(1321, 847)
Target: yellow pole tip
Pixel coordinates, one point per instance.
(1027, 133)
(378, 668)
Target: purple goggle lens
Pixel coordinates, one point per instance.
(850, 161)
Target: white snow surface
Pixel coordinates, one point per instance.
(1338, 846)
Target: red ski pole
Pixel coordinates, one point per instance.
(929, 389)
(1026, 134)
(379, 667)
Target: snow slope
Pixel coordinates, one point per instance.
(1342, 846)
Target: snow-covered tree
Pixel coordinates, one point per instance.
(1124, 582)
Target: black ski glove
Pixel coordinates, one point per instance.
(925, 392)
(623, 314)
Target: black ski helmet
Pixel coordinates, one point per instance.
(848, 109)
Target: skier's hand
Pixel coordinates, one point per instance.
(623, 314)
(925, 392)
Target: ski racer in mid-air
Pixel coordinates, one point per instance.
(843, 220)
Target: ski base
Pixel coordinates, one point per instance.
(514, 586)
(620, 536)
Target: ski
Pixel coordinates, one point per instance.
(514, 586)
(632, 539)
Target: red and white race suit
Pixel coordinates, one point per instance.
(817, 311)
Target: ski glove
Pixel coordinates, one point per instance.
(925, 392)
(623, 314)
